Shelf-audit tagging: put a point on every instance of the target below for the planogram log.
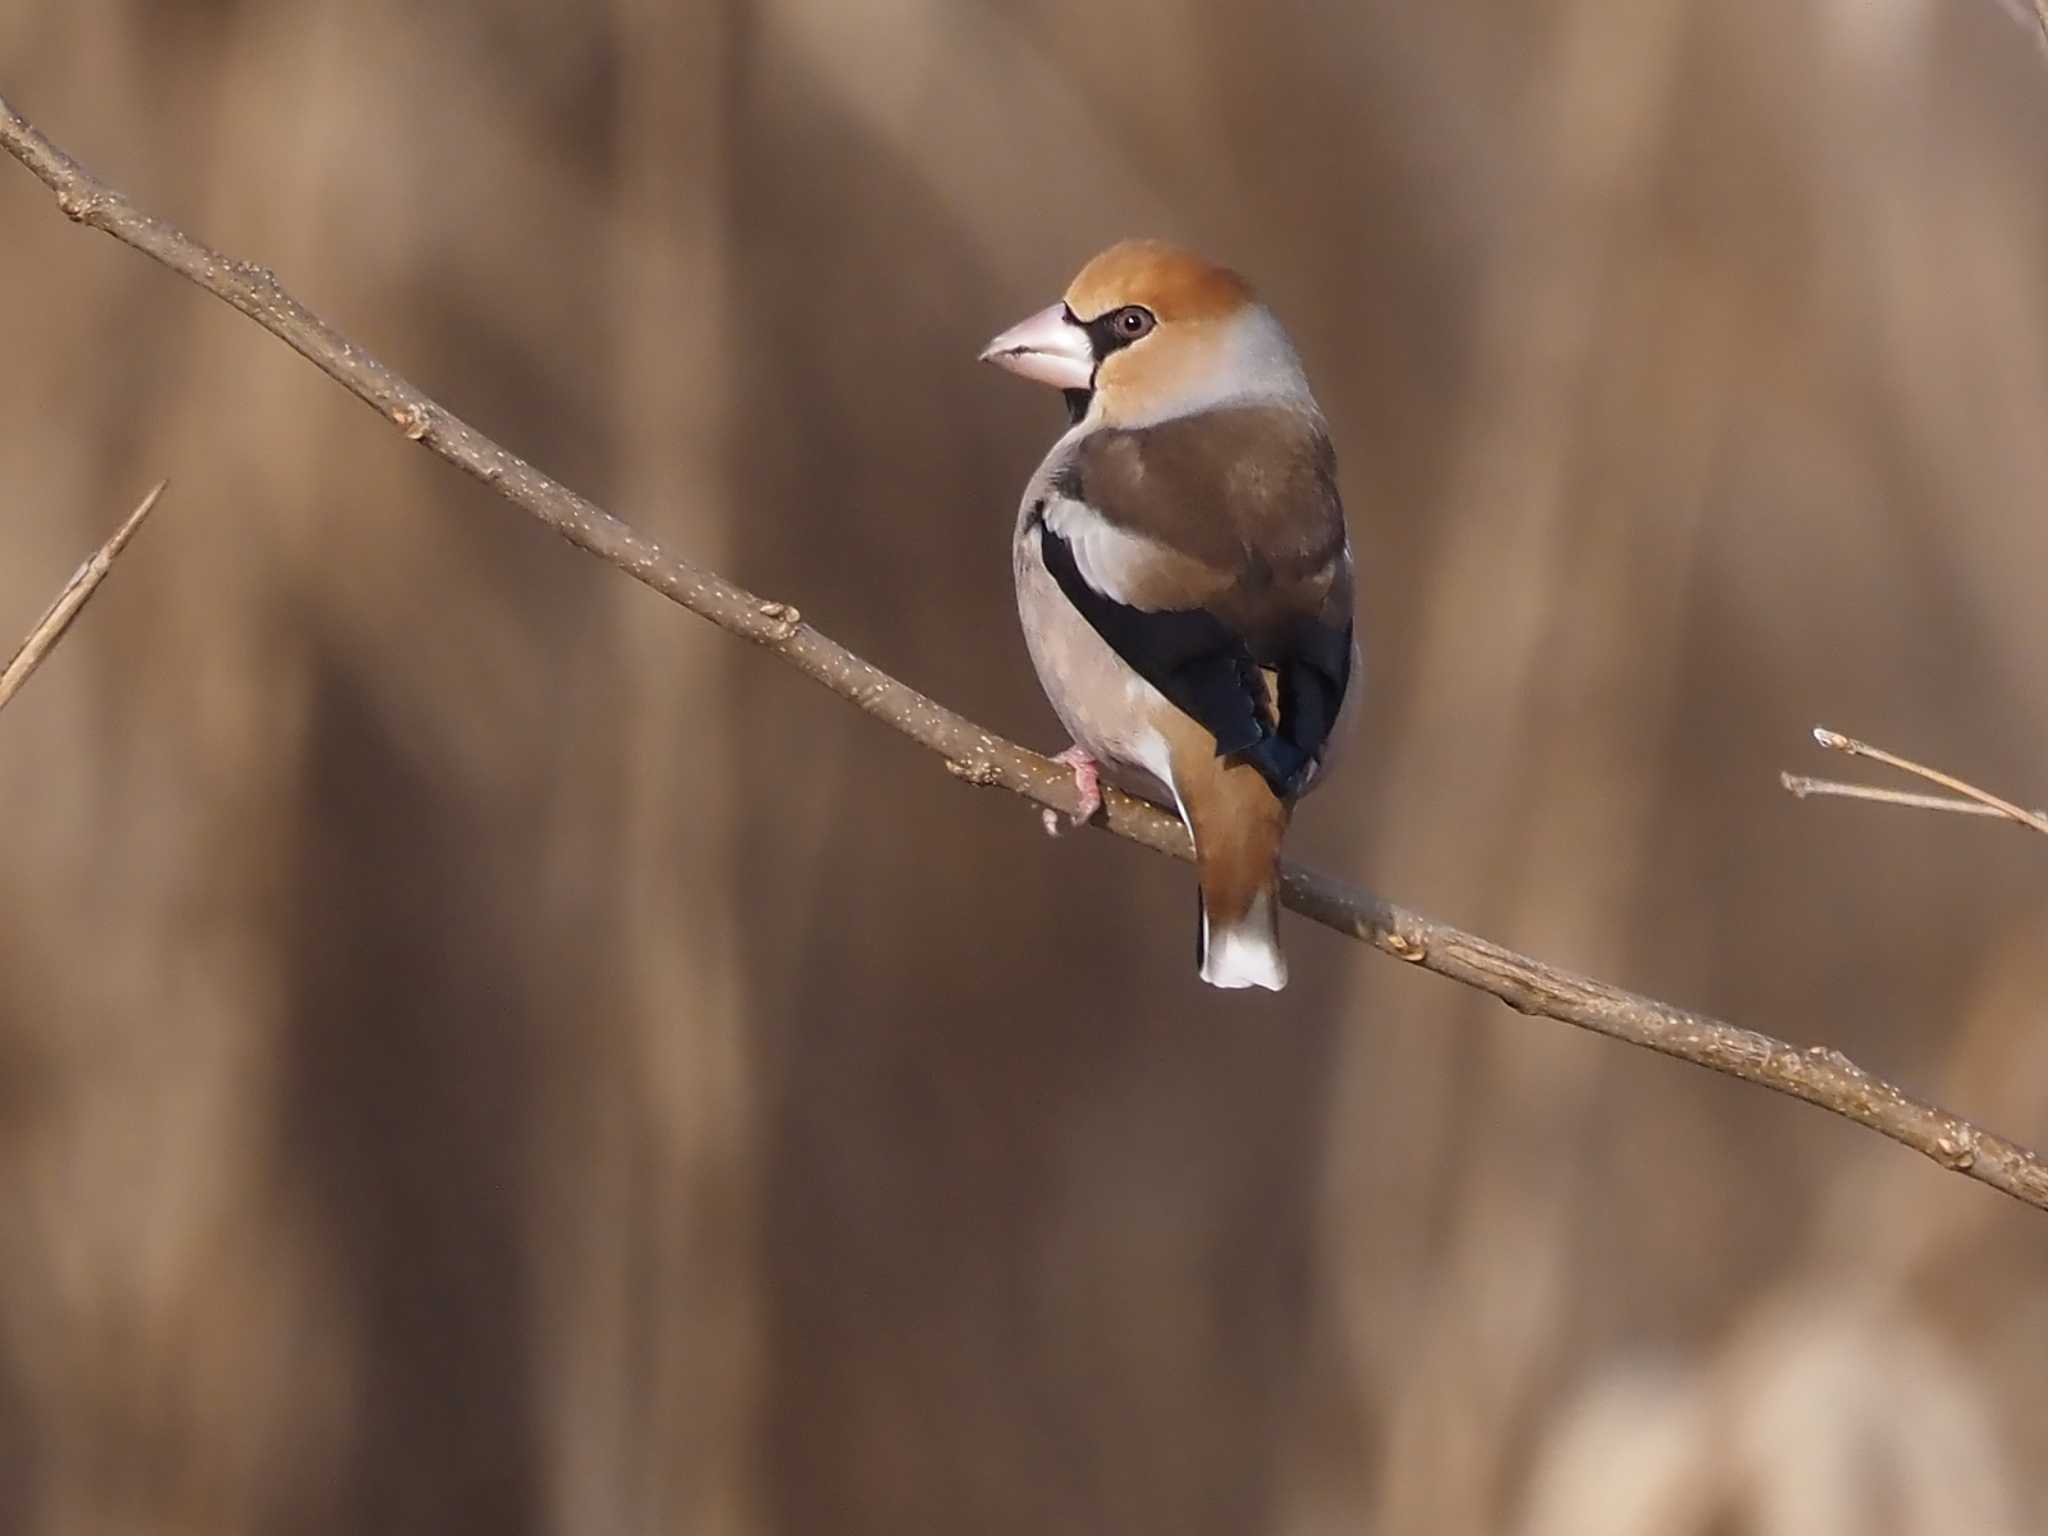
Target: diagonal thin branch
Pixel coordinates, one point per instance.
(78, 591)
(1818, 1075)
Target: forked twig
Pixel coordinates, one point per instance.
(1972, 802)
(77, 593)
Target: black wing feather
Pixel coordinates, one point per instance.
(1208, 671)
(1189, 655)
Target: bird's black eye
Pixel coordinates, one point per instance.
(1115, 329)
(1132, 321)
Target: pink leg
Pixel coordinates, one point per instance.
(1087, 780)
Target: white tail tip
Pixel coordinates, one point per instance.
(1246, 954)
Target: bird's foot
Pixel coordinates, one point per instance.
(1087, 782)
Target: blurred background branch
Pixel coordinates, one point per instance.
(50, 628)
(1820, 1076)
(2030, 14)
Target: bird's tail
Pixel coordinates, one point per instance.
(1237, 823)
(1243, 951)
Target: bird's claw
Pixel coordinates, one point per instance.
(1087, 783)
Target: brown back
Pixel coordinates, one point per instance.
(1248, 492)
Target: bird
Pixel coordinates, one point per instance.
(1184, 573)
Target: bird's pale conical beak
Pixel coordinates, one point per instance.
(1050, 347)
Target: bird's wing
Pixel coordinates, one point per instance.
(1209, 553)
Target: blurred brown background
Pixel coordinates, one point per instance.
(482, 1051)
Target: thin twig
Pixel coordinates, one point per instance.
(1801, 787)
(1818, 1075)
(77, 593)
(1835, 741)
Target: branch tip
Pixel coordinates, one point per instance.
(1970, 799)
(77, 592)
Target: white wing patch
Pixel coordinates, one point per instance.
(1124, 566)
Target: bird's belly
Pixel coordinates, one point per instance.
(1105, 705)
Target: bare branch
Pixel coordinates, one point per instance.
(1979, 802)
(1818, 1075)
(78, 591)
(1802, 787)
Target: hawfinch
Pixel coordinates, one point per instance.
(1183, 573)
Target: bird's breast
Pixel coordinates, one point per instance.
(1105, 705)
